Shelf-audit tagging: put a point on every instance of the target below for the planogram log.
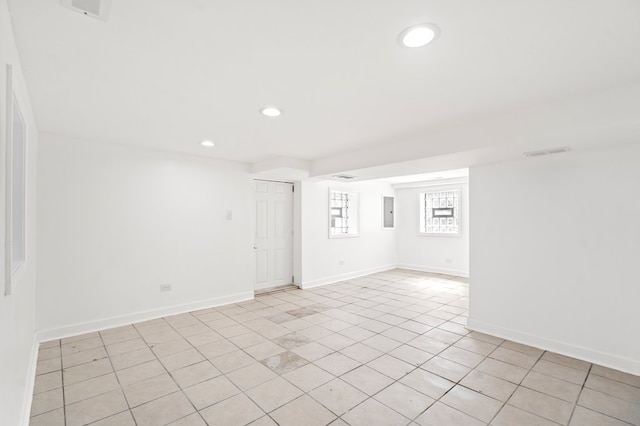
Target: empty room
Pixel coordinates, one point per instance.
(319, 212)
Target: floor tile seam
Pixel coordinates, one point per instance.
(394, 381)
(183, 417)
(87, 397)
(565, 366)
(64, 413)
(599, 412)
(514, 365)
(103, 393)
(86, 362)
(548, 394)
(45, 412)
(510, 362)
(64, 387)
(120, 384)
(605, 392)
(46, 359)
(504, 403)
(87, 337)
(180, 390)
(459, 383)
(605, 415)
(540, 357)
(556, 378)
(339, 416)
(109, 416)
(371, 397)
(196, 348)
(574, 404)
(245, 393)
(538, 415)
(614, 380)
(125, 340)
(225, 375)
(199, 351)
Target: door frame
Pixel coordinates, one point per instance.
(296, 258)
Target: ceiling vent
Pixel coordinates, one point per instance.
(95, 8)
(549, 151)
(343, 177)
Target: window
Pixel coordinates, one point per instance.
(343, 214)
(17, 188)
(439, 212)
(15, 177)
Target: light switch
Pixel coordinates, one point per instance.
(229, 214)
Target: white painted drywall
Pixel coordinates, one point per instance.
(554, 253)
(17, 311)
(115, 223)
(373, 250)
(446, 255)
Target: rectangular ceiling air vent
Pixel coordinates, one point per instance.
(549, 151)
(343, 177)
(95, 8)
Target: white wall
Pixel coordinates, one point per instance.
(446, 255)
(372, 251)
(17, 311)
(555, 251)
(116, 222)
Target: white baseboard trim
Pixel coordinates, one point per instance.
(30, 381)
(604, 359)
(342, 277)
(105, 323)
(435, 270)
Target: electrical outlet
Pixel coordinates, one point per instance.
(341, 263)
(165, 287)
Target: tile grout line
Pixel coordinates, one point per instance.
(64, 403)
(119, 384)
(208, 360)
(157, 358)
(584, 382)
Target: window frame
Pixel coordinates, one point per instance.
(422, 225)
(352, 222)
(15, 206)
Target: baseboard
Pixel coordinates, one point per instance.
(348, 276)
(30, 381)
(604, 359)
(105, 323)
(435, 270)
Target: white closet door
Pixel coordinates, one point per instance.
(274, 234)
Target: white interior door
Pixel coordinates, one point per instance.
(274, 234)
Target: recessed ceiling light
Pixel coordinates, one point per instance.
(271, 112)
(418, 35)
(208, 144)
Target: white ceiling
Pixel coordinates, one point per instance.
(167, 74)
(425, 177)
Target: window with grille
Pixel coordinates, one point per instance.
(439, 212)
(343, 214)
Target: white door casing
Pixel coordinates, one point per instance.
(274, 234)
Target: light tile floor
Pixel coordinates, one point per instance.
(389, 348)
